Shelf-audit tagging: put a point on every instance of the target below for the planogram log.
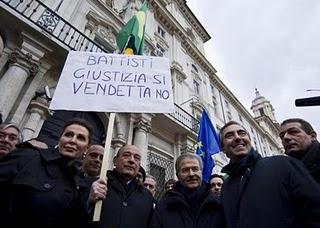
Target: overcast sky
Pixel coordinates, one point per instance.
(272, 45)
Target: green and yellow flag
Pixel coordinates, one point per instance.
(130, 39)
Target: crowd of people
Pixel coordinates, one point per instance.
(49, 187)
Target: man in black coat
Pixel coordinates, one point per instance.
(10, 136)
(300, 141)
(126, 203)
(265, 192)
(190, 204)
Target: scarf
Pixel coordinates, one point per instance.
(239, 168)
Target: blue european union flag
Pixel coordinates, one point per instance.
(208, 144)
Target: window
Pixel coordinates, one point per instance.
(161, 32)
(255, 143)
(162, 169)
(196, 87)
(194, 68)
(227, 104)
(240, 118)
(213, 90)
(261, 111)
(215, 108)
(159, 51)
(229, 115)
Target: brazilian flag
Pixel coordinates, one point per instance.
(130, 39)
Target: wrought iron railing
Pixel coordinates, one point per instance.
(185, 118)
(49, 21)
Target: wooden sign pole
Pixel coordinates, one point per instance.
(104, 166)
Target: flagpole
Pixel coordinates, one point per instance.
(126, 45)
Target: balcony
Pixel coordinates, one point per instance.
(63, 32)
(47, 20)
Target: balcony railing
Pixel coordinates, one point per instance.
(48, 20)
(185, 118)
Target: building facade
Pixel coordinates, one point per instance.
(36, 35)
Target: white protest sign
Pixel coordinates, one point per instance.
(114, 83)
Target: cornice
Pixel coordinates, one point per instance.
(173, 26)
(106, 8)
(99, 20)
(196, 24)
(272, 125)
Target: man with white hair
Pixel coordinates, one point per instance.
(190, 203)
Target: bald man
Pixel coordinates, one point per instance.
(92, 161)
(126, 203)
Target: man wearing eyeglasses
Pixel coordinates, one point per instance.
(10, 136)
(266, 192)
(190, 203)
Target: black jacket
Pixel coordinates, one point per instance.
(173, 211)
(311, 160)
(126, 205)
(270, 192)
(38, 189)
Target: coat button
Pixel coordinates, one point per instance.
(47, 186)
(125, 203)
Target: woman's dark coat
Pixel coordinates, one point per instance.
(39, 189)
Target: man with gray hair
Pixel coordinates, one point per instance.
(190, 203)
(10, 136)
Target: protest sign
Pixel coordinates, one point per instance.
(114, 83)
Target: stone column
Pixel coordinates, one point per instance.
(39, 112)
(1, 45)
(187, 144)
(21, 67)
(130, 128)
(142, 130)
(4, 57)
(29, 94)
(116, 144)
(176, 151)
